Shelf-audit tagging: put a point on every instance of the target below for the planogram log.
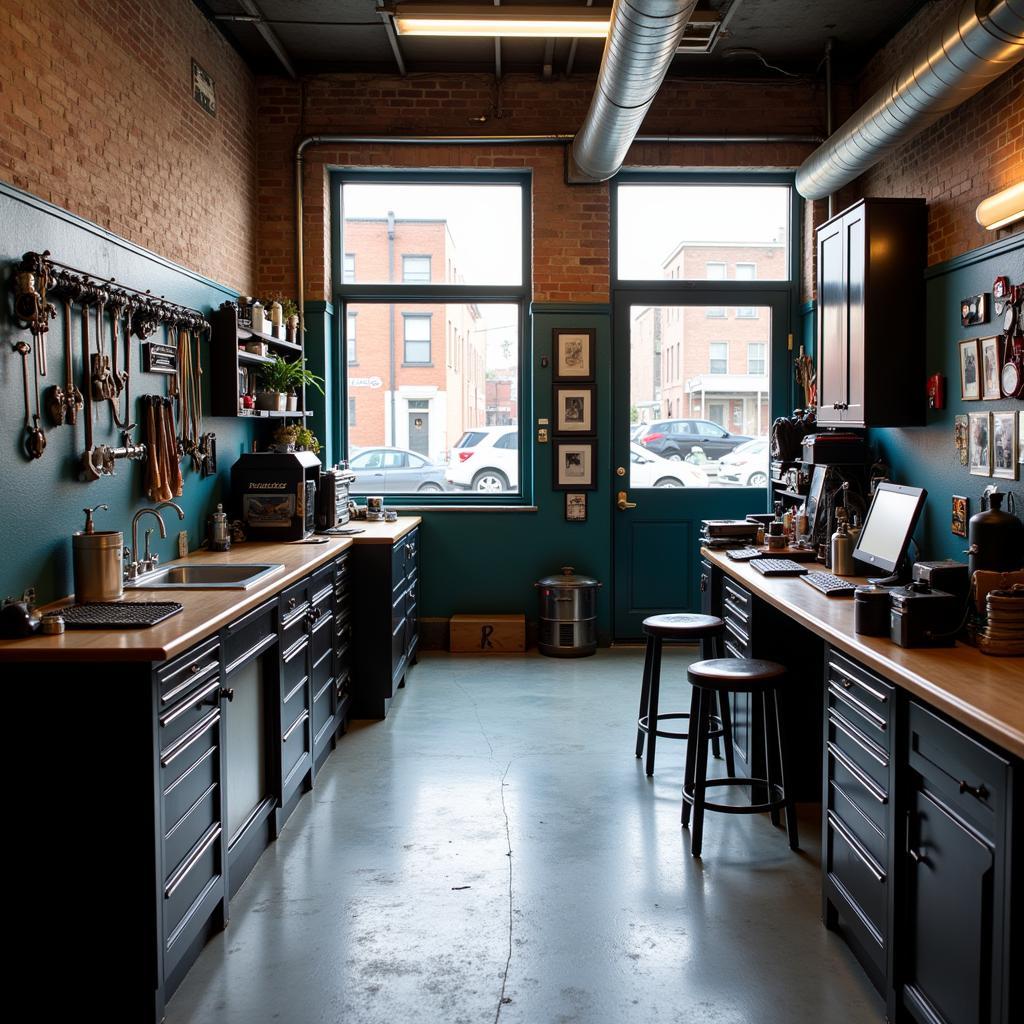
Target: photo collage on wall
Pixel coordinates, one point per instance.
(574, 404)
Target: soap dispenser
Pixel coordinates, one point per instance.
(96, 557)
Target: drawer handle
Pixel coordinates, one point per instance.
(854, 735)
(195, 701)
(228, 694)
(188, 738)
(737, 632)
(291, 728)
(296, 649)
(190, 681)
(881, 697)
(848, 699)
(865, 858)
(979, 792)
(292, 602)
(193, 859)
(858, 773)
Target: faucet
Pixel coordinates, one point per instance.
(133, 568)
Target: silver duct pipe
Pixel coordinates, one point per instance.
(978, 42)
(641, 43)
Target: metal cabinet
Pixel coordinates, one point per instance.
(871, 260)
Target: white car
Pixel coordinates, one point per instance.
(649, 470)
(746, 465)
(485, 459)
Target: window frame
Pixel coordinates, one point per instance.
(763, 345)
(712, 372)
(346, 294)
(418, 256)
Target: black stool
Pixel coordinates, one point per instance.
(678, 628)
(718, 678)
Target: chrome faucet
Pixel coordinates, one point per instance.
(134, 567)
(150, 561)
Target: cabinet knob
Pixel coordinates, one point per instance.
(292, 602)
(194, 668)
(916, 857)
(979, 792)
(227, 693)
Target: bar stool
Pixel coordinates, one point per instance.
(678, 627)
(715, 679)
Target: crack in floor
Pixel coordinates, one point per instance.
(479, 721)
(508, 839)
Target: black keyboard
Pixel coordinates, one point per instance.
(778, 567)
(744, 554)
(829, 585)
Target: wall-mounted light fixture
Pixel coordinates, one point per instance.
(507, 20)
(1003, 208)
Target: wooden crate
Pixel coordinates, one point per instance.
(487, 634)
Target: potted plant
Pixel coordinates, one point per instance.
(286, 438)
(290, 310)
(307, 440)
(276, 378)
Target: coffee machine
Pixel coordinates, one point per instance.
(274, 494)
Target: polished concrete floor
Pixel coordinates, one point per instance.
(493, 852)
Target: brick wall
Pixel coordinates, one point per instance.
(97, 116)
(570, 224)
(969, 154)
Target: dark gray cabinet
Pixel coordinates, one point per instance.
(871, 342)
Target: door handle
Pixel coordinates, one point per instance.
(623, 502)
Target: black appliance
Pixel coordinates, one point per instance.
(332, 497)
(922, 617)
(831, 448)
(274, 494)
(952, 577)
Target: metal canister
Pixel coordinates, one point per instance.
(871, 611)
(219, 531)
(568, 614)
(96, 557)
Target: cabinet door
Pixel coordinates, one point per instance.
(833, 368)
(854, 235)
(948, 971)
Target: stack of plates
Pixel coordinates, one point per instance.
(1003, 634)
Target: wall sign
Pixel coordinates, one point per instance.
(204, 91)
(157, 358)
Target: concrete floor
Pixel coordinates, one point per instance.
(494, 852)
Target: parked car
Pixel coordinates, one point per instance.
(485, 459)
(673, 439)
(649, 470)
(746, 465)
(394, 471)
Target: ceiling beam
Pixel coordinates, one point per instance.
(269, 36)
(571, 59)
(389, 28)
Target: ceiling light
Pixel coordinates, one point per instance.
(1003, 208)
(507, 20)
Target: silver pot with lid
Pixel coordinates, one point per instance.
(568, 614)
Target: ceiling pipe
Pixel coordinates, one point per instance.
(974, 45)
(642, 41)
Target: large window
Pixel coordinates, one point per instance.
(443, 285)
(714, 271)
(349, 270)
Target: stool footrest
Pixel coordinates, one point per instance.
(771, 805)
(642, 725)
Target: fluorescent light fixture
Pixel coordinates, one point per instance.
(507, 20)
(1003, 208)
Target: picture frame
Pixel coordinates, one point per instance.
(958, 524)
(991, 366)
(575, 465)
(1020, 440)
(979, 453)
(1005, 446)
(574, 354)
(970, 374)
(575, 409)
(974, 310)
(960, 436)
(575, 506)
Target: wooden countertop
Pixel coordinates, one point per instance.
(384, 533)
(983, 692)
(203, 612)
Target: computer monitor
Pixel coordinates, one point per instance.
(888, 528)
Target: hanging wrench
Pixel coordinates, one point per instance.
(35, 439)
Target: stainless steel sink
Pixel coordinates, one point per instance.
(204, 576)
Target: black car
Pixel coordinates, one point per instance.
(674, 439)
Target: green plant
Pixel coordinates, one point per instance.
(305, 438)
(289, 307)
(280, 375)
(286, 434)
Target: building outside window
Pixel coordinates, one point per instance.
(416, 269)
(416, 335)
(746, 272)
(718, 352)
(715, 272)
(350, 338)
(757, 353)
(349, 269)
(352, 411)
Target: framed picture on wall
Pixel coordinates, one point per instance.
(575, 465)
(979, 456)
(958, 526)
(575, 506)
(990, 369)
(574, 354)
(574, 409)
(970, 375)
(1004, 445)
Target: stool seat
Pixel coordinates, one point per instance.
(735, 675)
(683, 626)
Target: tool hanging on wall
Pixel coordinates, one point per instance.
(120, 313)
(190, 371)
(101, 459)
(101, 382)
(64, 403)
(163, 479)
(31, 308)
(35, 439)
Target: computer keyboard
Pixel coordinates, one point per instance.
(829, 585)
(778, 567)
(744, 554)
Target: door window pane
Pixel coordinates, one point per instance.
(417, 337)
(676, 231)
(690, 429)
(416, 269)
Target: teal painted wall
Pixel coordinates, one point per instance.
(43, 500)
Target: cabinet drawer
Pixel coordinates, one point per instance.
(858, 748)
(868, 833)
(186, 750)
(322, 579)
(177, 677)
(412, 552)
(184, 831)
(864, 694)
(293, 600)
(971, 778)
(858, 787)
(398, 563)
(250, 635)
(294, 683)
(294, 628)
(859, 876)
(177, 719)
(323, 709)
(294, 748)
(737, 595)
(190, 880)
(737, 641)
(847, 704)
(321, 636)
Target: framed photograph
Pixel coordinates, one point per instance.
(574, 409)
(990, 369)
(575, 506)
(979, 454)
(575, 465)
(574, 354)
(1005, 448)
(1020, 439)
(974, 310)
(959, 522)
(970, 377)
(960, 437)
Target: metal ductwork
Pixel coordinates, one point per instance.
(642, 41)
(978, 42)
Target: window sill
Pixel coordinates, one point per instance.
(413, 366)
(466, 508)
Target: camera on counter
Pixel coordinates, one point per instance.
(922, 617)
